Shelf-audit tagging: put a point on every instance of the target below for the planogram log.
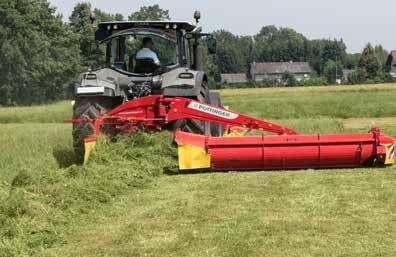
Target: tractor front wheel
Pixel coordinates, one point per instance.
(88, 108)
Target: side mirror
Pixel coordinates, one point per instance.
(197, 16)
(212, 45)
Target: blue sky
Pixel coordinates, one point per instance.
(357, 22)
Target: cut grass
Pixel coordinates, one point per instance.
(308, 213)
(115, 207)
(43, 203)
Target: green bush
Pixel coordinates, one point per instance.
(289, 80)
(313, 81)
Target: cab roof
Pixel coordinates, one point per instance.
(107, 29)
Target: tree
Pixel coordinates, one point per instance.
(314, 55)
(369, 62)
(332, 71)
(357, 77)
(102, 16)
(321, 51)
(38, 53)
(289, 80)
(333, 50)
(352, 61)
(382, 56)
(230, 56)
(82, 26)
(283, 44)
(152, 12)
(246, 45)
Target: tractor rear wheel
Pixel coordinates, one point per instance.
(88, 108)
(216, 130)
(202, 127)
(196, 126)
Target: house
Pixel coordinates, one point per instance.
(233, 78)
(275, 70)
(391, 63)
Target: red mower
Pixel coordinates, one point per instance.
(234, 150)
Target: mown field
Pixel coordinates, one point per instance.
(130, 200)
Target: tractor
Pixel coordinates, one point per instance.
(179, 74)
(171, 91)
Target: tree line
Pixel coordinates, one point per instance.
(41, 55)
(327, 57)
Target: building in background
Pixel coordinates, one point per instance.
(233, 78)
(391, 63)
(275, 70)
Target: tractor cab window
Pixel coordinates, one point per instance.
(133, 52)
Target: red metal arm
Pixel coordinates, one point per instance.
(182, 108)
(157, 111)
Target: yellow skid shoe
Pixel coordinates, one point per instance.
(89, 145)
(193, 157)
(390, 155)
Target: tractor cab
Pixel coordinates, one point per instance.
(173, 43)
(172, 64)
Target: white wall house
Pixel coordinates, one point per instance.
(274, 70)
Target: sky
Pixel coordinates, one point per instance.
(357, 22)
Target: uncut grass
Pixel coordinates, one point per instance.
(316, 104)
(34, 147)
(317, 89)
(269, 103)
(51, 113)
(43, 203)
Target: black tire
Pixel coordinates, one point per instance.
(88, 108)
(202, 127)
(216, 130)
(197, 126)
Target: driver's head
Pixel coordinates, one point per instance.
(147, 42)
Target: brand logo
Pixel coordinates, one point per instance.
(213, 111)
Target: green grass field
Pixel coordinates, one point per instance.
(130, 200)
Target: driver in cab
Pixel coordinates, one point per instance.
(146, 52)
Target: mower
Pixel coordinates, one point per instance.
(233, 150)
(132, 95)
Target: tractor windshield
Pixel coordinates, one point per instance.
(130, 51)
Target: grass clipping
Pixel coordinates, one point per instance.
(41, 204)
